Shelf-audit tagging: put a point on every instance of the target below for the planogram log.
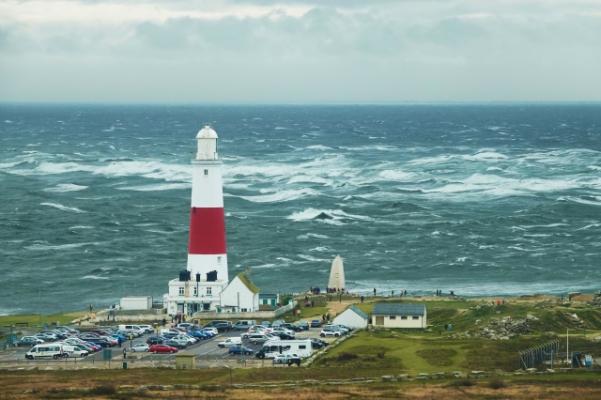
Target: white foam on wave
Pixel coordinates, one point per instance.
(281, 196)
(45, 247)
(334, 217)
(62, 207)
(94, 277)
(590, 200)
(397, 175)
(498, 186)
(65, 187)
(157, 187)
(147, 169)
(312, 235)
(319, 147)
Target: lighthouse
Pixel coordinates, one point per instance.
(207, 245)
(200, 285)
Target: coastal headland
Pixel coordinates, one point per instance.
(470, 349)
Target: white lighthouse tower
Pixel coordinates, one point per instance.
(199, 286)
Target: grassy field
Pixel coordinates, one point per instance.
(39, 319)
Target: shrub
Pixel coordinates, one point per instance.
(346, 357)
(497, 384)
(104, 390)
(462, 383)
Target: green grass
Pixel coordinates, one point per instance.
(413, 353)
(36, 320)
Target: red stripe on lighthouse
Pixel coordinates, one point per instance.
(207, 231)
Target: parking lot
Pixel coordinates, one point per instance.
(207, 354)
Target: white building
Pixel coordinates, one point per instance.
(353, 317)
(241, 295)
(200, 286)
(399, 315)
(337, 281)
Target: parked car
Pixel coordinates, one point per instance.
(146, 328)
(244, 324)
(230, 342)
(302, 325)
(47, 336)
(189, 339)
(288, 359)
(140, 347)
(277, 323)
(162, 348)
(198, 334)
(222, 326)
(74, 351)
(258, 337)
(318, 343)
(281, 330)
(211, 329)
(316, 323)
(185, 325)
(155, 340)
(330, 330)
(179, 343)
(266, 324)
(29, 341)
(240, 349)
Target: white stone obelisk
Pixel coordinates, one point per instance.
(336, 281)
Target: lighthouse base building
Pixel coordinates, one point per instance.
(204, 285)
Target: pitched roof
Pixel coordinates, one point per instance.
(248, 283)
(399, 309)
(359, 311)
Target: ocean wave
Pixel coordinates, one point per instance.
(94, 277)
(65, 187)
(587, 200)
(45, 247)
(157, 187)
(498, 186)
(334, 217)
(312, 235)
(397, 175)
(281, 196)
(62, 207)
(147, 169)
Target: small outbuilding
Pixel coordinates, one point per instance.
(353, 317)
(241, 295)
(399, 315)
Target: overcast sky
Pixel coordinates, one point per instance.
(262, 51)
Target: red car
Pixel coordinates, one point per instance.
(162, 348)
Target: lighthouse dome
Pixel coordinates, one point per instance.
(206, 133)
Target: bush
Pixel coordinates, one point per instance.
(497, 384)
(346, 357)
(462, 383)
(104, 390)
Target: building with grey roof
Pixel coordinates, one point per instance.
(399, 315)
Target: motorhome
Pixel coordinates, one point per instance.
(273, 347)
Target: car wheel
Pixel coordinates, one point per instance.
(322, 335)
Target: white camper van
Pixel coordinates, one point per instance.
(50, 350)
(135, 330)
(274, 347)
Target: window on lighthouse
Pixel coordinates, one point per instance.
(206, 172)
(181, 291)
(209, 291)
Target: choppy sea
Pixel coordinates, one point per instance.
(479, 199)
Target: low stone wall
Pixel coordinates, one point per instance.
(258, 315)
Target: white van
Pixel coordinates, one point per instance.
(74, 351)
(50, 350)
(272, 348)
(133, 329)
(230, 342)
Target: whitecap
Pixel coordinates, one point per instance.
(65, 187)
(312, 235)
(94, 277)
(281, 196)
(62, 207)
(44, 247)
(319, 147)
(334, 217)
(157, 187)
(397, 175)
